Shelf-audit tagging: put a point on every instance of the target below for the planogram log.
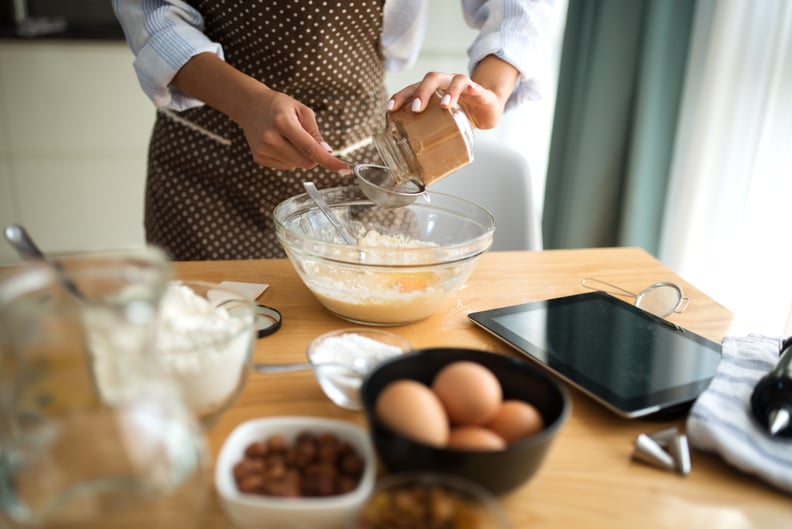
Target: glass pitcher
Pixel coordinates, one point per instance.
(92, 434)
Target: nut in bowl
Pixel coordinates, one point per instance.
(317, 505)
(406, 264)
(412, 429)
(342, 358)
(205, 339)
(430, 501)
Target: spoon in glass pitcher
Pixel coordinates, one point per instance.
(18, 237)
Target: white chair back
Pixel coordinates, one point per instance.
(499, 179)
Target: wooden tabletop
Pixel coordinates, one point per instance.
(589, 479)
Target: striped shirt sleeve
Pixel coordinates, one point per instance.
(163, 35)
(515, 31)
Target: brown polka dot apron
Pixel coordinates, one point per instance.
(206, 199)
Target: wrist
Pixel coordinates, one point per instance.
(497, 76)
(230, 90)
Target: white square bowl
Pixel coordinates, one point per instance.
(270, 512)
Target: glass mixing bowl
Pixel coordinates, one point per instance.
(407, 261)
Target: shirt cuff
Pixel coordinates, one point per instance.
(403, 33)
(163, 56)
(529, 62)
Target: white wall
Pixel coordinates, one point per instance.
(74, 130)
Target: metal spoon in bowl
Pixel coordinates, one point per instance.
(313, 192)
(360, 366)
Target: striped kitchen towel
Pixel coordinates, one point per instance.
(721, 421)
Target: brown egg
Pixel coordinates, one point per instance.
(474, 438)
(516, 420)
(469, 391)
(413, 410)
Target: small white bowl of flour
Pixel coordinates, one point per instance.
(205, 339)
(359, 349)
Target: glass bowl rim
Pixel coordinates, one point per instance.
(294, 241)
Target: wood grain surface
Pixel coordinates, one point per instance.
(589, 479)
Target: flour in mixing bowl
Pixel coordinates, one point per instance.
(375, 239)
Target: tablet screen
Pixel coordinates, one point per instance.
(632, 361)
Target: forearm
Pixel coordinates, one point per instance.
(496, 75)
(518, 32)
(230, 91)
(163, 35)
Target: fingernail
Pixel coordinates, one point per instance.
(416, 105)
(391, 104)
(326, 147)
(345, 171)
(445, 100)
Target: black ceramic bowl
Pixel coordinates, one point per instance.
(499, 471)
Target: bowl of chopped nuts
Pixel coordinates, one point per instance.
(430, 501)
(295, 472)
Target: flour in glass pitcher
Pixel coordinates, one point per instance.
(200, 347)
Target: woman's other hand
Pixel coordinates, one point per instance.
(281, 132)
(483, 95)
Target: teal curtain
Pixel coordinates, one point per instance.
(619, 89)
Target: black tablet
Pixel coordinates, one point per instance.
(631, 361)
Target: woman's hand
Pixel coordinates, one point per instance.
(483, 96)
(282, 132)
